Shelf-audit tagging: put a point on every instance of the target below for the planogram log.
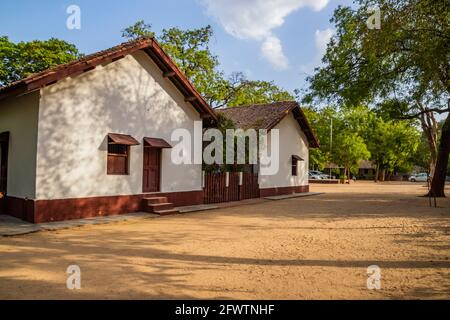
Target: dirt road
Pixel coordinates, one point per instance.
(304, 248)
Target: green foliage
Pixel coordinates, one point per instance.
(191, 52)
(19, 60)
(405, 64)
(422, 156)
(407, 59)
(224, 123)
(363, 134)
(321, 122)
(258, 92)
(138, 30)
(394, 145)
(318, 159)
(448, 168)
(349, 149)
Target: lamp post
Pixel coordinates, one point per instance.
(331, 140)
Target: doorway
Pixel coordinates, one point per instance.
(152, 170)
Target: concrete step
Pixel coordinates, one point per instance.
(156, 200)
(166, 212)
(160, 206)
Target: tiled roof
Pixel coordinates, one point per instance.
(267, 116)
(89, 62)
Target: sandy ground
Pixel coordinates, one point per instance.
(304, 248)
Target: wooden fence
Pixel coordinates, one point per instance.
(250, 186)
(216, 189)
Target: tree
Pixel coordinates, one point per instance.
(320, 120)
(258, 92)
(349, 149)
(191, 52)
(139, 30)
(19, 60)
(393, 146)
(406, 60)
(394, 109)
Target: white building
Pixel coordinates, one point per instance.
(93, 137)
(295, 139)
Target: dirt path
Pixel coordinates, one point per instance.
(303, 248)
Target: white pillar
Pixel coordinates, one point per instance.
(203, 179)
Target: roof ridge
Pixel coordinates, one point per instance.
(79, 60)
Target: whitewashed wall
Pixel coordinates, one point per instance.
(19, 116)
(292, 142)
(128, 96)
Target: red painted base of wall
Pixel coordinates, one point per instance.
(270, 192)
(39, 211)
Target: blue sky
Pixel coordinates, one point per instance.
(280, 40)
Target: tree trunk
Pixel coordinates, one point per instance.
(440, 172)
(377, 172)
(382, 175)
(430, 129)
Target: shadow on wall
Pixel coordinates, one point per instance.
(77, 114)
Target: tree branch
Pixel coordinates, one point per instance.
(425, 111)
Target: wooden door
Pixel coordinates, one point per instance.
(4, 144)
(152, 169)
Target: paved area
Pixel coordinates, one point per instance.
(10, 226)
(294, 195)
(301, 248)
(201, 207)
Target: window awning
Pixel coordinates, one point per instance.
(123, 139)
(157, 143)
(295, 157)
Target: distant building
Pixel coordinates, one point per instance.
(366, 169)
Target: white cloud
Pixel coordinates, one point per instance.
(323, 37)
(272, 50)
(255, 19)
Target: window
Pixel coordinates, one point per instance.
(118, 158)
(119, 153)
(295, 160)
(294, 167)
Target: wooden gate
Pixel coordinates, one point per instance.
(215, 187)
(233, 187)
(250, 186)
(217, 191)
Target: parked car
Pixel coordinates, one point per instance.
(320, 174)
(420, 177)
(314, 176)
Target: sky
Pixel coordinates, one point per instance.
(279, 40)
